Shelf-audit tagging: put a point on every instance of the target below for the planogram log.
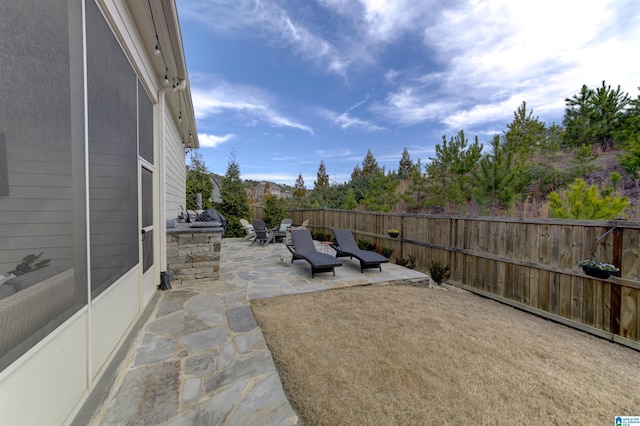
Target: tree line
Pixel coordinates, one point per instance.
(530, 165)
(531, 169)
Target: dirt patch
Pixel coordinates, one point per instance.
(413, 356)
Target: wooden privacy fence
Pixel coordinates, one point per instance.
(531, 264)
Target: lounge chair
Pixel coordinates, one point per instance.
(248, 228)
(263, 235)
(303, 248)
(345, 246)
(303, 225)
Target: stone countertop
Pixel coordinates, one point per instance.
(201, 227)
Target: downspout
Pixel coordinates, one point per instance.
(162, 225)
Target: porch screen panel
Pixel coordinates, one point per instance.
(42, 272)
(113, 154)
(147, 218)
(145, 124)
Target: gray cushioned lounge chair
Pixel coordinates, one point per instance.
(303, 248)
(345, 246)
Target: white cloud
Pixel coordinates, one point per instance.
(248, 104)
(494, 55)
(391, 75)
(345, 121)
(333, 153)
(412, 105)
(387, 20)
(271, 22)
(348, 121)
(212, 141)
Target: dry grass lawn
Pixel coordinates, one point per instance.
(400, 355)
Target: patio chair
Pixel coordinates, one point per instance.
(248, 228)
(285, 223)
(303, 248)
(345, 246)
(263, 235)
(288, 231)
(281, 233)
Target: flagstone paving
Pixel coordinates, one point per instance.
(201, 359)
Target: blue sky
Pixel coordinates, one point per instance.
(288, 83)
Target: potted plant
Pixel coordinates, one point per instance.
(393, 233)
(597, 269)
(29, 263)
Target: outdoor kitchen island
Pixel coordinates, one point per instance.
(193, 253)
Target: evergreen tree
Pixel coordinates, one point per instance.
(585, 202)
(577, 116)
(405, 166)
(609, 108)
(300, 190)
(381, 192)
(594, 116)
(350, 203)
(496, 176)
(198, 181)
(449, 173)
(628, 137)
(322, 177)
(274, 211)
(234, 205)
(553, 139)
(369, 164)
(416, 196)
(525, 133)
(333, 196)
(356, 173)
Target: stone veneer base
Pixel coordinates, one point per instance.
(193, 255)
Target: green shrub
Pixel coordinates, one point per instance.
(438, 271)
(372, 246)
(274, 211)
(321, 236)
(409, 262)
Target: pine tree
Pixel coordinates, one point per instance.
(356, 173)
(350, 203)
(496, 176)
(299, 189)
(594, 116)
(235, 205)
(274, 211)
(585, 202)
(322, 177)
(369, 164)
(415, 197)
(405, 166)
(525, 133)
(198, 181)
(450, 179)
(629, 138)
(381, 193)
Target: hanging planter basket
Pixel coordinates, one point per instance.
(599, 269)
(597, 273)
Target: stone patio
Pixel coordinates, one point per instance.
(201, 359)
